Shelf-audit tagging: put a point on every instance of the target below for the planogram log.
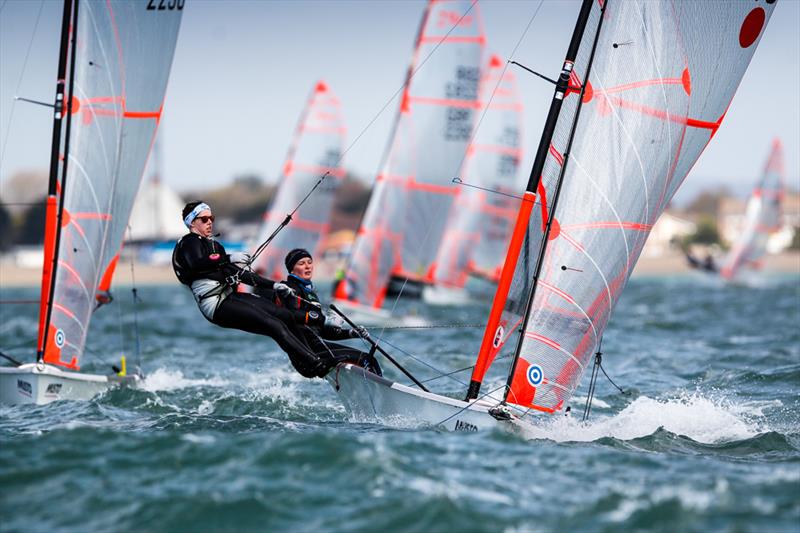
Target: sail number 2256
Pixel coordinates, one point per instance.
(162, 5)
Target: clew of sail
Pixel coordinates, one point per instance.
(122, 59)
(480, 221)
(406, 216)
(316, 151)
(762, 218)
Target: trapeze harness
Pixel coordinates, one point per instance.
(202, 264)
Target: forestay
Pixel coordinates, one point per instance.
(407, 212)
(480, 221)
(123, 54)
(316, 151)
(662, 77)
(762, 218)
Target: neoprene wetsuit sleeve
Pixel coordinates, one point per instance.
(248, 277)
(196, 257)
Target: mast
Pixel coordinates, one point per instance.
(53, 214)
(491, 333)
(545, 238)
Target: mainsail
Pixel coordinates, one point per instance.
(763, 217)
(406, 216)
(316, 151)
(645, 87)
(481, 221)
(121, 53)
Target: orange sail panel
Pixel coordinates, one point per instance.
(405, 220)
(122, 65)
(762, 218)
(316, 151)
(640, 130)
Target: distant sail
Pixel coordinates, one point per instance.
(662, 77)
(123, 57)
(763, 218)
(406, 216)
(480, 222)
(316, 150)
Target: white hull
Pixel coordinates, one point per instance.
(368, 397)
(40, 384)
(439, 295)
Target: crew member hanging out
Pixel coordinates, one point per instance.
(213, 276)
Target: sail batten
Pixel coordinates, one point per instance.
(120, 66)
(644, 120)
(414, 191)
(316, 151)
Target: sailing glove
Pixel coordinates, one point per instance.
(283, 290)
(240, 258)
(360, 332)
(334, 321)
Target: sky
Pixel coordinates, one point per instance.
(243, 69)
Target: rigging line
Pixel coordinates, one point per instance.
(406, 81)
(620, 389)
(9, 358)
(19, 82)
(432, 326)
(506, 356)
(470, 403)
(417, 359)
(477, 125)
(136, 300)
(499, 81)
(459, 181)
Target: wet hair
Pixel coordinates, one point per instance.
(188, 208)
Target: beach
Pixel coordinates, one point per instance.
(12, 275)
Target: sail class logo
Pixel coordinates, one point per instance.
(535, 375)
(59, 338)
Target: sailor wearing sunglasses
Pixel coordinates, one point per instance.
(202, 264)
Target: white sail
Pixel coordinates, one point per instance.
(123, 54)
(481, 221)
(663, 74)
(406, 216)
(316, 151)
(762, 218)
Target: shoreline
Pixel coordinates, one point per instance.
(12, 276)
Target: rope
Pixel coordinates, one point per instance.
(469, 404)
(14, 361)
(19, 83)
(432, 326)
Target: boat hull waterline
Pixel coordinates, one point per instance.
(40, 384)
(368, 397)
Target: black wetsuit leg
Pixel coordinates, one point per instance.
(342, 353)
(253, 314)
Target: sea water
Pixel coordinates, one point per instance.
(224, 435)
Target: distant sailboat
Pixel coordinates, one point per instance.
(316, 151)
(406, 216)
(643, 89)
(762, 219)
(119, 54)
(481, 221)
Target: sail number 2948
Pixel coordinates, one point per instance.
(162, 5)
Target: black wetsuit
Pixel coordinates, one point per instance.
(201, 263)
(319, 336)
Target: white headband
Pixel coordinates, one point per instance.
(199, 208)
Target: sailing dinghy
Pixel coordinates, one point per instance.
(644, 87)
(762, 219)
(405, 219)
(118, 54)
(482, 216)
(316, 151)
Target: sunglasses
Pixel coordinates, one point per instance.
(205, 219)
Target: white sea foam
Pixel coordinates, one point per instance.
(695, 415)
(166, 380)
